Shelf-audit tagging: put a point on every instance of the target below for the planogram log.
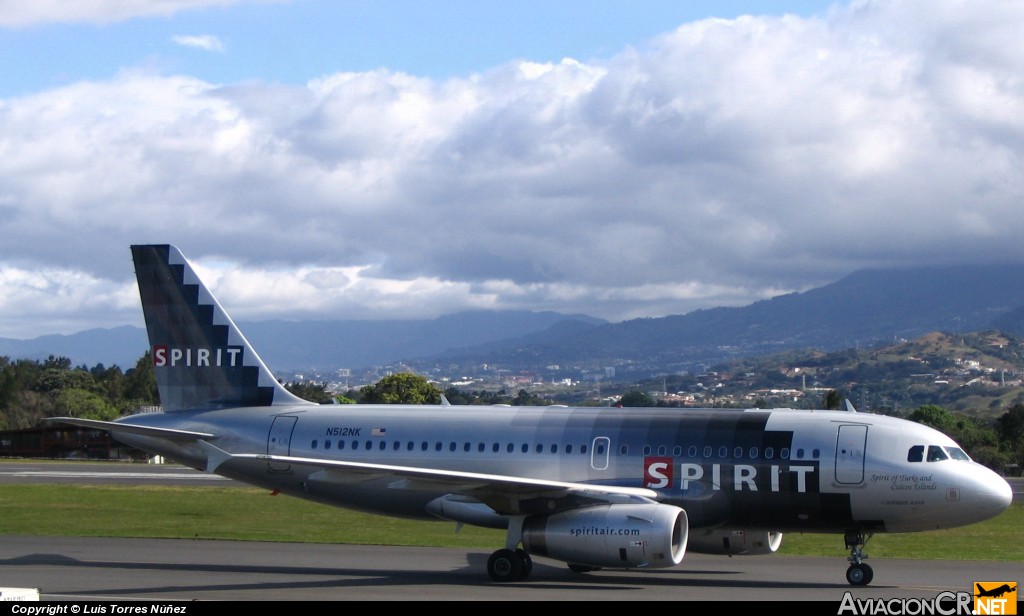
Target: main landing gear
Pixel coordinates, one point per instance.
(512, 563)
(509, 565)
(858, 573)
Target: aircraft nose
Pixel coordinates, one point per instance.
(993, 494)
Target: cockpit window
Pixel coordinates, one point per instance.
(957, 454)
(935, 453)
(916, 454)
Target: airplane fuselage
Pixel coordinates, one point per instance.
(783, 470)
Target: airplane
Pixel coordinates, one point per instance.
(592, 487)
(998, 591)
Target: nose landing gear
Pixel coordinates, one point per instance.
(858, 573)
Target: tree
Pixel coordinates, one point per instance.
(1010, 425)
(140, 382)
(308, 390)
(402, 388)
(832, 400)
(1010, 428)
(525, 398)
(978, 440)
(84, 404)
(636, 398)
(26, 409)
(934, 416)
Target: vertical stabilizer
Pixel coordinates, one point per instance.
(201, 359)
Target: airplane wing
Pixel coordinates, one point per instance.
(504, 493)
(113, 426)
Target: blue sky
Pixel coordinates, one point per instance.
(292, 42)
(325, 160)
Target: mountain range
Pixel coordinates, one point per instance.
(865, 308)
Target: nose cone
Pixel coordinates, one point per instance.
(989, 492)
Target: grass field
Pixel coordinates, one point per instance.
(250, 514)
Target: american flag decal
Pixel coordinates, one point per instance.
(378, 432)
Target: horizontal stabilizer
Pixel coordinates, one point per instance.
(127, 428)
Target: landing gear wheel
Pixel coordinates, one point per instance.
(578, 568)
(859, 575)
(524, 557)
(505, 566)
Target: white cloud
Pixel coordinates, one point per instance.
(722, 163)
(62, 300)
(205, 42)
(19, 13)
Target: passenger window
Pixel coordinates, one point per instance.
(753, 453)
(769, 453)
(707, 451)
(554, 448)
(661, 450)
(465, 447)
(355, 445)
(327, 444)
(437, 446)
(423, 446)
(677, 451)
(624, 449)
(313, 444)
(815, 454)
(452, 446)
(916, 454)
(583, 449)
(935, 453)
(480, 447)
(526, 447)
(495, 447)
(409, 446)
(738, 453)
(568, 449)
(369, 445)
(799, 454)
(398, 445)
(784, 453)
(691, 452)
(723, 451)
(384, 444)
(510, 448)
(647, 450)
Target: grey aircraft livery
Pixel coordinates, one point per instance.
(592, 487)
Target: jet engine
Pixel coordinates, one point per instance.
(617, 536)
(734, 542)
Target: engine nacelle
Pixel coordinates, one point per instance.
(617, 536)
(734, 541)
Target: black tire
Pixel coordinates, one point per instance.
(859, 575)
(505, 566)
